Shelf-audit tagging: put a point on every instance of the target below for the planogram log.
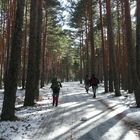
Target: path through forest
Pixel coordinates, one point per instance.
(79, 116)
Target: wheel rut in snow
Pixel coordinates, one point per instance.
(128, 122)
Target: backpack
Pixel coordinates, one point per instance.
(94, 82)
(55, 86)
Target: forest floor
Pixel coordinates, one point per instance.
(77, 117)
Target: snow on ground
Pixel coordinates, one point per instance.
(32, 117)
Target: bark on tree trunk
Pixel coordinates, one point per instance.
(38, 48)
(112, 53)
(91, 38)
(8, 110)
(103, 50)
(138, 39)
(24, 49)
(131, 53)
(43, 75)
(30, 82)
(81, 66)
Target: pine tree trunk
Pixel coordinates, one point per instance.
(8, 110)
(103, 50)
(81, 46)
(138, 39)
(118, 50)
(43, 75)
(124, 58)
(24, 49)
(87, 50)
(38, 48)
(91, 38)
(112, 54)
(131, 53)
(111, 87)
(31, 68)
(8, 30)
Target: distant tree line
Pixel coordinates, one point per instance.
(109, 42)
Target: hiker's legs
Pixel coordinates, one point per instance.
(94, 91)
(53, 100)
(56, 101)
(87, 88)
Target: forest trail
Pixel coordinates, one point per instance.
(80, 117)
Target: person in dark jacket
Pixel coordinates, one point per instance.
(94, 83)
(87, 83)
(55, 86)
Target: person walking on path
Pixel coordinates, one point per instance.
(55, 86)
(86, 82)
(94, 83)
